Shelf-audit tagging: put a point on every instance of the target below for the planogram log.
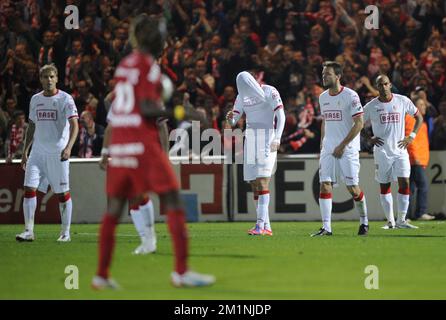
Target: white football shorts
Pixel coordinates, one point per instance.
(390, 168)
(347, 168)
(47, 166)
(258, 160)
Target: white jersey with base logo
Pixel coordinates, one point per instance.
(50, 116)
(388, 122)
(339, 112)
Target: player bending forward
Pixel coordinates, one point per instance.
(342, 121)
(52, 130)
(261, 104)
(387, 113)
(138, 163)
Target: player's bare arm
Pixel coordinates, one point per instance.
(358, 124)
(28, 141)
(408, 140)
(74, 130)
(164, 135)
(104, 152)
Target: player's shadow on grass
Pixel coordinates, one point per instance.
(213, 255)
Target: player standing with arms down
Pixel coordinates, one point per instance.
(261, 104)
(387, 115)
(52, 130)
(342, 122)
(138, 163)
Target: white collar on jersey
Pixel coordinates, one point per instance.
(248, 87)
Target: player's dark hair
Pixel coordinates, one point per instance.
(148, 34)
(337, 68)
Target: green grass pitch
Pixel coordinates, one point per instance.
(290, 265)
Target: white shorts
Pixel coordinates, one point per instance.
(388, 169)
(347, 168)
(259, 164)
(45, 166)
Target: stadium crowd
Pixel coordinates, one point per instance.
(209, 43)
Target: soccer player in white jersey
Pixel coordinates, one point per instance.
(387, 113)
(262, 105)
(342, 121)
(53, 128)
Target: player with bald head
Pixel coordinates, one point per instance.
(386, 114)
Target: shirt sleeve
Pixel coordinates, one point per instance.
(356, 107)
(70, 108)
(238, 109)
(32, 110)
(411, 108)
(276, 100)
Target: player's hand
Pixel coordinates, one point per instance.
(405, 142)
(377, 141)
(103, 162)
(24, 161)
(275, 146)
(230, 115)
(339, 151)
(65, 155)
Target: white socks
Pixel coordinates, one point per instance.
(403, 204)
(144, 220)
(387, 204)
(361, 207)
(262, 209)
(326, 204)
(138, 221)
(66, 209)
(29, 210)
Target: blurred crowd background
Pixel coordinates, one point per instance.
(283, 42)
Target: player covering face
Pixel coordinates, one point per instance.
(262, 106)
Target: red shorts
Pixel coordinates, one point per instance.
(153, 174)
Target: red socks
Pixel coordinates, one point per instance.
(106, 244)
(177, 227)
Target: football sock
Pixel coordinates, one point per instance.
(403, 203)
(262, 208)
(387, 203)
(106, 244)
(29, 209)
(65, 209)
(325, 204)
(361, 207)
(177, 227)
(148, 217)
(138, 220)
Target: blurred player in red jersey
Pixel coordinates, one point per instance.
(138, 163)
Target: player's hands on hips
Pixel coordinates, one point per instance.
(377, 141)
(275, 146)
(405, 142)
(65, 155)
(24, 161)
(339, 151)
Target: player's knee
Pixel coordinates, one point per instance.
(325, 187)
(355, 191)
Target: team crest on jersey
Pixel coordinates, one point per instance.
(391, 117)
(46, 115)
(333, 115)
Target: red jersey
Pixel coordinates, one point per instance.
(138, 164)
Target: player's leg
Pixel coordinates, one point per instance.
(176, 221)
(327, 175)
(141, 212)
(383, 175)
(32, 180)
(263, 205)
(401, 169)
(58, 176)
(253, 184)
(386, 200)
(115, 208)
(403, 204)
(350, 166)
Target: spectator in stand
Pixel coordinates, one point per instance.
(419, 159)
(16, 137)
(84, 99)
(91, 135)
